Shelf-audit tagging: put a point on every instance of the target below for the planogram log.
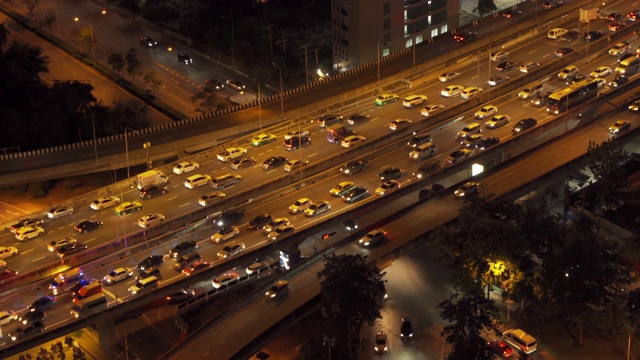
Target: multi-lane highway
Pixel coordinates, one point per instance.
(181, 200)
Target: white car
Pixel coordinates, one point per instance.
(387, 187)
(104, 202)
(231, 153)
(7, 317)
(317, 209)
(398, 123)
(602, 71)
(619, 49)
(8, 251)
(231, 249)
(352, 140)
(293, 165)
(225, 234)
(300, 206)
(497, 80)
(486, 111)
(211, 197)
(274, 224)
(452, 90)
(414, 100)
(451, 75)
(185, 167)
(60, 211)
(236, 85)
(29, 232)
(499, 56)
(281, 231)
(525, 68)
(150, 220)
(196, 181)
(431, 109)
(292, 134)
(55, 244)
(224, 279)
(497, 121)
(470, 92)
(117, 275)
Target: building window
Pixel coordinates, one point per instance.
(385, 52)
(444, 29)
(386, 8)
(429, 19)
(434, 33)
(387, 23)
(418, 39)
(409, 43)
(387, 38)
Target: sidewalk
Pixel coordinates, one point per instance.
(85, 341)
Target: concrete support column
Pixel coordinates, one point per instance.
(106, 328)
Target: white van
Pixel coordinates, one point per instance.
(629, 66)
(425, 150)
(520, 340)
(89, 305)
(556, 33)
(531, 91)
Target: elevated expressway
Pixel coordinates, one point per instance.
(171, 141)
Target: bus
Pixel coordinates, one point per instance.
(572, 96)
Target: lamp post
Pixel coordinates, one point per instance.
(146, 146)
(281, 93)
(95, 143)
(93, 49)
(126, 148)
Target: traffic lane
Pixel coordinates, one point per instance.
(63, 67)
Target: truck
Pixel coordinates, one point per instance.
(588, 15)
(336, 133)
(151, 178)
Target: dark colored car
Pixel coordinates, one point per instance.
(549, 5)
(540, 99)
(32, 317)
(575, 79)
(26, 331)
(215, 84)
(625, 57)
(181, 296)
(148, 42)
(524, 124)
(297, 142)
(354, 167)
(506, 65)
(430, 191)
(42, 304)
(357, 119)
(487, 142)
(592, 35)
(185, 58)
(466, 37)
(79, 285)
(273, 162)
(614, 16)
(619, 80)
(151, 263)
(152, 191)
(511, 13)
(500, 348)
(569, 35)
(356, 194)
(327, 120)
(7, 274)
(259, 221)
(25, 222)
(564, 51)
(419, 140)
(406, 329)
(228, 218)
(70, 249)
(88, 225)
(183, 248)
(391, 173)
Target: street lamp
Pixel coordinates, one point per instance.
(281, 93)
(93, 49)
(146, 146)
(93, 124)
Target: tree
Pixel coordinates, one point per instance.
(27, 59)
(467, 316)
(208, 100)
(32, 6)
(117, 62)
(47, 21)
(154, 82)
(87, 39)
(133, 63)
(485, 7)
(351, 288)
(320, 347)
(156, 11)
(4, 33)
(605, 161)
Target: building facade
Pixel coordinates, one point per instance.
(364, 30)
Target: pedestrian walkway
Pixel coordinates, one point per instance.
(81, 345)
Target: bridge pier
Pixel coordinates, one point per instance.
(106, 328)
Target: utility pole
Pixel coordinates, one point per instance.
(306, 62)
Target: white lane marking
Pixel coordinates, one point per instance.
(38, 259)
(314, 154)
(26, 251)
(172, 198)
(90, 240)
(183, 205)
